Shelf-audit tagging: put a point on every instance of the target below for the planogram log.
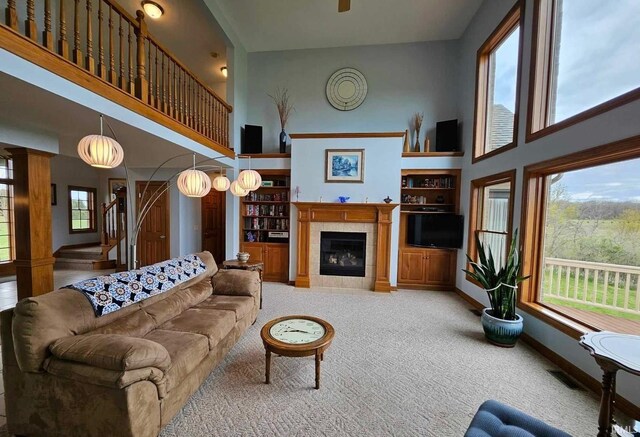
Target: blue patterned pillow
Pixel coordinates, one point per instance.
(118, 290)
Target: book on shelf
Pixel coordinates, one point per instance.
(271, 197)
(428, 182)
(266, 210)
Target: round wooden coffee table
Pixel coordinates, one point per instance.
(296, 336)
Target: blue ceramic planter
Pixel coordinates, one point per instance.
(504, 333)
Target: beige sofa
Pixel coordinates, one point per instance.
(70, 373)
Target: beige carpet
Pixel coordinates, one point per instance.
(407, 364)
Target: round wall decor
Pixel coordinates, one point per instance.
(346, 89)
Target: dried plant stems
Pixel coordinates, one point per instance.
(417, 120)
(284, 106)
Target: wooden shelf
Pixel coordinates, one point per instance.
(430, 154)
(265, 155)
(426, 212)
(427, 204)
(266, 230)
(426, 188)
(271, 202)
(266, 216)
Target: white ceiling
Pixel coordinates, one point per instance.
(188, 29)
(49, 114)
(266, 25)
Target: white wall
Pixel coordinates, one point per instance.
(402, 79)
(381, 179)
(616, 124)
(67, 171)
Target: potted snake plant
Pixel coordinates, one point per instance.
(502, 326)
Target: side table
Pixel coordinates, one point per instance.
(612, 352)
(252, 266)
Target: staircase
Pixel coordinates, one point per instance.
(113, 239)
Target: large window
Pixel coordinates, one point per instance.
(497, 88)
(491, 214)
(7, 241)
(582, 216)
(82, 209)
(585, 60)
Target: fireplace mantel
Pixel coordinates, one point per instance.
(380, 213)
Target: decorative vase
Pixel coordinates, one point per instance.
(427, 145)
(407, 144)
(283, 141)
(417, 145)
(243, 257)
(503, 333)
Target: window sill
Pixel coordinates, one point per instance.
(83, 231)
(493, 153)
(569, 326)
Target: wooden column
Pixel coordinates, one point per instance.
(383, 250)
(303, 279)
(32, 209)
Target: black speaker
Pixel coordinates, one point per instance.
(252, 139)
(447, 136)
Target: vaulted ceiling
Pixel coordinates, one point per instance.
(266, 25)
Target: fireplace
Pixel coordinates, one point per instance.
(343, 253)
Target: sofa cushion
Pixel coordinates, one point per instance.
(240, 305)
(186, 350)
(214, 324)
(111, 351)
(234, 282)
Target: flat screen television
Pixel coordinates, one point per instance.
(435, 230)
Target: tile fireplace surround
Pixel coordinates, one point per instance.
(372, 218)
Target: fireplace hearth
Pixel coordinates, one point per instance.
(343, 253)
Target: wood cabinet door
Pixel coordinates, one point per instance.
(256, 252)
(412, 266)
(276, 263)
(440, 267)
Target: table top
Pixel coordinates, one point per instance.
(286, 348)
(234, 263)
(622, 350)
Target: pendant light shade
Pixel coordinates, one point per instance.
(100, 151)
(237, 190)
(194, 183)
(221, 183)
(249, 180)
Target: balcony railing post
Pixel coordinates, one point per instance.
(77, 53)
(63, 45)
(30, 22)
(142, 87)
(102, 68)
(47, 36)
(11, 15)
(90, 65)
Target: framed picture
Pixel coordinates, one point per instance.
(344, 165)
(54, 194)
(115, 185)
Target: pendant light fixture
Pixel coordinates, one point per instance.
(249, 180)
(221, 183)
(193, 182)
(100, 151)
(237, 190)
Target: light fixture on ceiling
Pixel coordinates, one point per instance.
(224, 71)
(100, 151)
(193, 182)
(152, 9)
(237, 190)
(221, 183)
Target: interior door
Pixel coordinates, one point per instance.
(213, 224)
(153, 239)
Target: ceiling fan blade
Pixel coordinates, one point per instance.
(344, 5)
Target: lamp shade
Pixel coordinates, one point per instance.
(194, 183)
(100, 151)
(221, 183)
(249, 180)
(237, 190)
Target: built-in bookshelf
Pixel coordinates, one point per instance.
(264, 224)
(431, 192)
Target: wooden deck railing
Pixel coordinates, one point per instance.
(601, 285)
(100, 37)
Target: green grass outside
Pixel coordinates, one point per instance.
(548, 298)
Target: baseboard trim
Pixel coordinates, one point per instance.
(625, 406)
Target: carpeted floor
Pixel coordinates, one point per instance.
(407, 364)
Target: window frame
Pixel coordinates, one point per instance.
(93, 216)
(12, 222)
(515, 17)
(534, 198)
(477, 192)
(540, 79)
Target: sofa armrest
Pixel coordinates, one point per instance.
(235, 282)
(112, 352)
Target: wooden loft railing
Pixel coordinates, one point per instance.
(102, 40)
